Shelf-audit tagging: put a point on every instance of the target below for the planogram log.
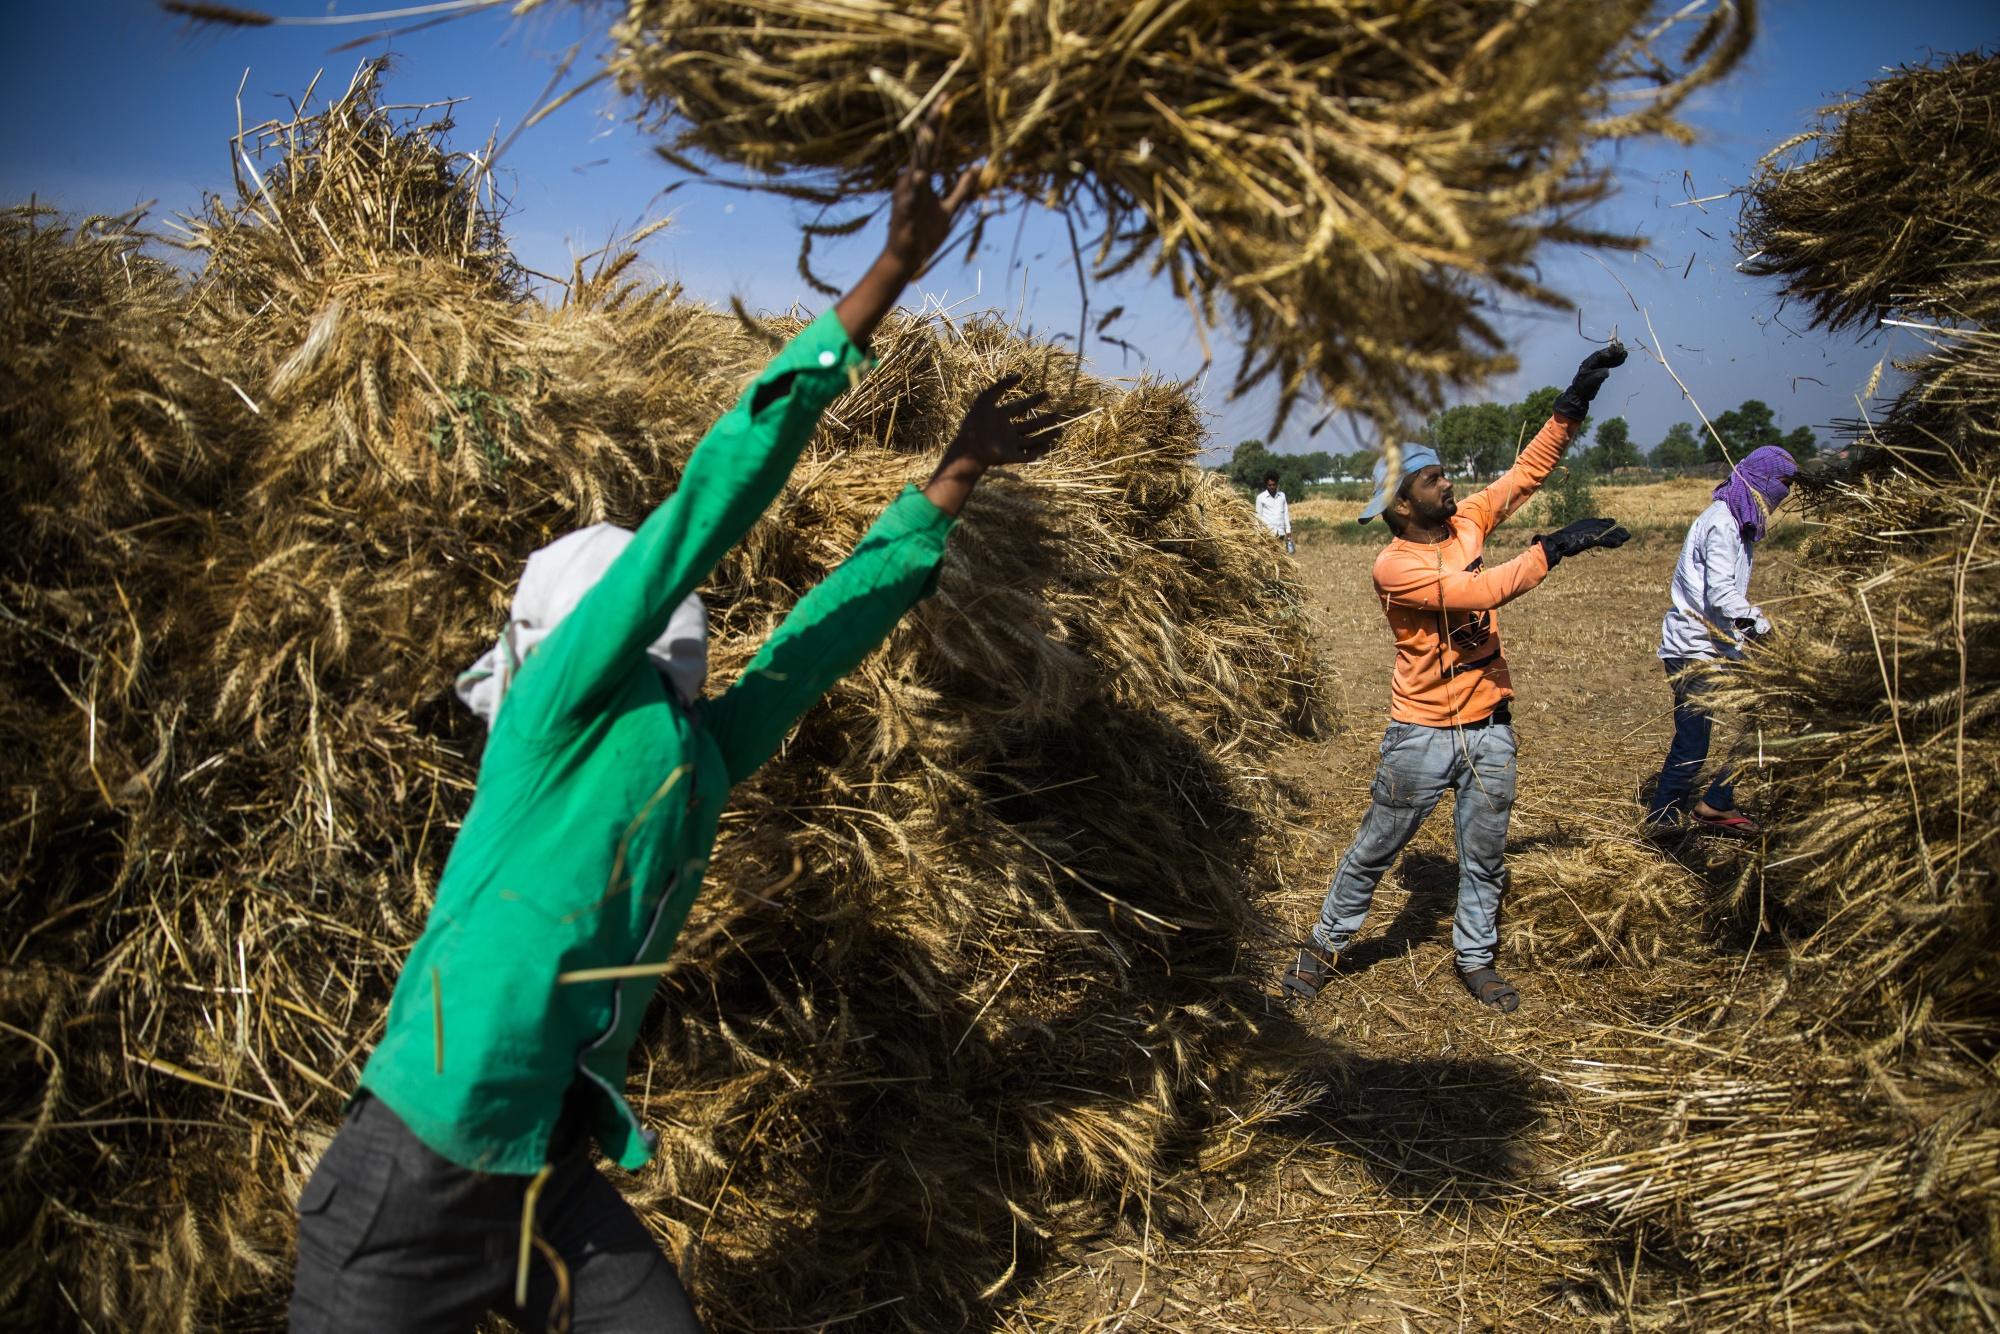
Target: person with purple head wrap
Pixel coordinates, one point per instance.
(1757, 486)
(1711, 620)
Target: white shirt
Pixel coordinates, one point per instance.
(1276, 514)
(1711, 591)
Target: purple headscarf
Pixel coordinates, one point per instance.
(1762, 473)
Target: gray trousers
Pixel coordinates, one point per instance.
(394, 1238)
(1418, 764)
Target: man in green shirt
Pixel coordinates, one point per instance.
(461, 1180)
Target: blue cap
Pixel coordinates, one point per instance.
(1415, 459)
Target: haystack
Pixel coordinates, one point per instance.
(1895, 210)
(1350, 186)
(966, 973)
(1829, 1156)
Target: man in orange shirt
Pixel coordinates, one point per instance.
(1449, 722)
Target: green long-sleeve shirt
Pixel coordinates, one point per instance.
(598, 796)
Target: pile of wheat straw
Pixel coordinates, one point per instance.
(1350, 185)
(1826, 1148)
(1894, 211)
(967, 973)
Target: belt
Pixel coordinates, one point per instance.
(1455, 668)
(1500, 715)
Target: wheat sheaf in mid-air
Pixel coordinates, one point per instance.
(1348, 187)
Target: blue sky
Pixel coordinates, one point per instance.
(110, 105)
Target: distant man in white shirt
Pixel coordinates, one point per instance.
(1275, 511)
(1712, 618)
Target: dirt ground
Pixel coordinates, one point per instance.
(1407, 1179)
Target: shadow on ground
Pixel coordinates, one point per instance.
(1441, 1132)
(1432, 884)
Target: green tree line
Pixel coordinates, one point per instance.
(1252, 459)
(1750, 425)
(1481, 439)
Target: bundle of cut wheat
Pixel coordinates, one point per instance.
(1878, 718)
(1787, 1187)
(1608, 899)
(968, 967)
(1899, 207)
(1350, 184)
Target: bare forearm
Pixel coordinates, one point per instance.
(919, 222)
(953, 483)
(869, 302)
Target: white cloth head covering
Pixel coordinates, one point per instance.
(557, 577)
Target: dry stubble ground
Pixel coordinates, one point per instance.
(1404, 1180)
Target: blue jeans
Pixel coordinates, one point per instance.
(1418, 764)
(1693, 725)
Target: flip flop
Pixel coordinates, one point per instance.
(1490, 989)
(1309, 973)
(1734, 822)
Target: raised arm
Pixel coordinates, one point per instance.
(1490, 508)
(919, 221)
(1410, 578)
(734, 473)
(852, 610)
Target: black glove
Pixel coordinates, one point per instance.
(1574, 402)
(1581, 536)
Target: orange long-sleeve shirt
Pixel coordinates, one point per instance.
(1441, 599)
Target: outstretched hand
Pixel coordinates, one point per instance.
(919, 222)
(1582, 536)
(1606, 358)
(997, 433)
(993, 433)
(1574, 402)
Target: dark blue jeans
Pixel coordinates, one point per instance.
(1692, 726)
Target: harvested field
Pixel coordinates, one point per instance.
(1326, 511)
(1769, 1102)
(1412, 1177)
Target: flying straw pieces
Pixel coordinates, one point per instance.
(267, 512)
(1829, 1158)
(1350, 185)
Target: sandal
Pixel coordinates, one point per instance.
(1729, 822)
(1310, 972)
(1490, 989)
